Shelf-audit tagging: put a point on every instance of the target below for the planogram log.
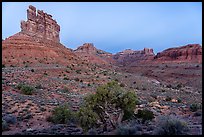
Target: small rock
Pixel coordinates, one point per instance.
(29, 129)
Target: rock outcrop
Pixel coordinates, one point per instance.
(40, 25)
(188, 53)
(90, 53)
(37, 44)
(128, 56)
(87, 48)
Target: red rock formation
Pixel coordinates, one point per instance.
(87, 48)
(21, 50)
(133, 57)
(188, 53)
(37, 43)
(40, 25)
(90, 53)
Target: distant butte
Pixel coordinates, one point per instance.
(40, 25)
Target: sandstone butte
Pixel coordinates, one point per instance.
(38, 43)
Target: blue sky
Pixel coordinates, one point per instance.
(115, 26)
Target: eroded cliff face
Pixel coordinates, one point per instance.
(128, 57)
(37, 43)
(40, 25)
(187, 53)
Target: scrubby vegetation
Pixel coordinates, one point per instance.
(25, 89)
(145, 115)
(109, 97)
(194, 107)
(87, 118)
(171, 126)
(61, 115)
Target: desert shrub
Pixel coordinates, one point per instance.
(87, 118)
(4, 125)
(194, 107)
(125, 130)
(128, 129)
(171, 126)
(60, 115)
(19, 86)
(168, 98)
(27, 90)
(32, 70)
(127, 103)
(3, 66)
(145, 115)
(111, 97)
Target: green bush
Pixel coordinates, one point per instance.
(61, 115)
(25, 89)
(87, 118)
(171, 126)
(194, 107)
(19, 86)
(145, 115)
(3, 66)
(111, 97)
